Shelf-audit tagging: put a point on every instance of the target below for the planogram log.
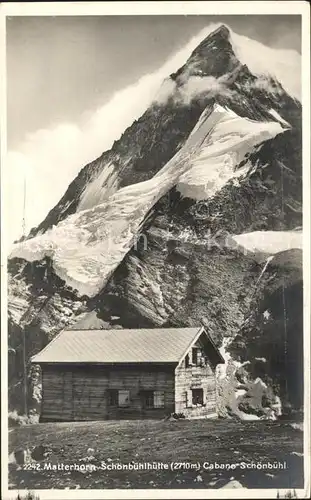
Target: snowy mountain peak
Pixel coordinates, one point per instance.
(221, 69)
(223, 51)
(217, 39)
(222, 31)
(214, 56)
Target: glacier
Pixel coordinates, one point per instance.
(88, 246)
(227, 144)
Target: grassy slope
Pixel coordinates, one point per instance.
(224, 441)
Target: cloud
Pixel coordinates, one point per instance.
(283, 65)
(192, 88)
(166, 90)
(264, 83)
(209, 85)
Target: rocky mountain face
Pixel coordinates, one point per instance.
(269, 345)
(193, 216)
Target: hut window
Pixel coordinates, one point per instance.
(124, 398)
(119, 398)
(195, 356)
(187, 361)
(197, 396)
(153, 399)
(158, 399)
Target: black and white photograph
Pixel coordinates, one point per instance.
(155, 250)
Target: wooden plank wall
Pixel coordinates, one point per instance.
(56, 395)
(80, 393)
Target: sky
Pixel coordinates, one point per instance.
(75, 83)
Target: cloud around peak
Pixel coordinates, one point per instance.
(282, 65)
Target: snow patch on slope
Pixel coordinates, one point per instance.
(87, 246)
(278, 117)
(100, 188)
(270, 242)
